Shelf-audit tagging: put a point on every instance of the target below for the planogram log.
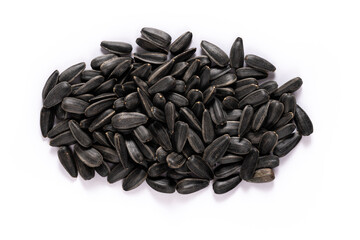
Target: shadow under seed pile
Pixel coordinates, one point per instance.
(175, 122)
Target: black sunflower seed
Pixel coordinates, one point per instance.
(63, 139)
(204, 60)
(195, 141)
(57, 94)
(101, 120)
(285, 145)
(160, 72)
(226, 170)
(259, 63)
(237, 54)
(289, 87)
(108, 66)
(157, 36)
(143, 134)
(207, 128)
(70, 74)
(109, 154)
(67, 161)
(190, 118)
(142, 72)
(216, 55)
(90, 157)
(169, 111)
(233, 115)
(150, 45)
(110, 136)
(240, 146)
(177, 99)
(191, 70)
(224, 92)
(128, 120)
(157, 169)
(81, 137)
(231, 158)
(249, 165)
(74, 105)
(289, 102)
(181, 43)
(260, 116)
(200, 168)
(60, 127)
(268, 161)
(204, 77)
(230, 127)
(230, 102)
(161, 155)
(131, 101)
(118, 173)
(269, 86)
(268, 142)
(91, 84)
(119, 48)
(185, 55)
(244, 91)
(161, 135)
(179, 69)
(158, 114)
(50, 83)
(121, 150)
(198, 108)
(101, 138)
(222, 186)
(96, 62)
(163, 185)
(192, 83)
(245, 120)
(194, 95)
(285, 130)
(217, 112)
(246, 81)
(47, 117)
(163, 85)
(255, 137)
(215, 150)
(134, 151)
(224, 80)
(175, 160)
(286, 118)
(103, 170)
(191, 185)
(180, 135)
(275, 112)
(135, 178)
(98, 107)
(85, 172)
(121, 69)
(145, 102)
(255, 98)
(152, 58)
(303, 122)
(263, 175)
(248, 72)
(86, 75)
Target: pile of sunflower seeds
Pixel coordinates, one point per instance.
(176, 122)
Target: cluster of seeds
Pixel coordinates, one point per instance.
(176, 123)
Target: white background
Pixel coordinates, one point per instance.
(316, 191)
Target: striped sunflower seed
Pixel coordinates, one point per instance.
(191, 185)
(263, 175)
(70, 74)
(181, 43)
(259, 63)
(237, 53)
(90, 157)
(135, 178)
(163, 185)
(118, 48)
(249, 165)
(216, 55)
(67, 161)
(57, 94)
(128, 120)
(222, 186)
(303, 122)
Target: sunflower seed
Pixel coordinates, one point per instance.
(289, 102)
(101, 120)
(190, 118)
(72, 72)
(268, 161)
(152, 58)
(86, 75)
(135, 178)
(169, 111)
(90, 157)
(191, 185)
(177, 99)
(160, 72)
(195, 141)
(249, 165)
(268, 142)
(226, 170)
(255, 98)
(145, 102)
(163, 85)
(269, 86)
(128, 120)
(204, 60)
(121, 69)
(198, 108)
(287, 117)
(118, 173)
(275, 112)
(89, 85)
(74, 105)
(207, 128)
(158, 114)
(231, 158)
(50, 83)
(233, 115)
(244, 91)
(67, 160)
(179, 69)
(209, 94)
(194, 95)
(85, 172)
(131, 101)
(119, 48)
(255, 137)
(105, 87)
(57, 94)
(180, 135)
(163, 185)
(160, 133)
(181, 43)
(81, 137)
(101, 138)
(217, 113)
(204, 77)
(134, 151)
(109, 154)
(191, 70)
(121, 150)
(157, 169)
(150, 45)
(143, 71)
(110, 136)
(215, 150)
(98, 107)
(286, 130)
(259, 63)
(47, 117)
(263, 175)
(240, 146)
(221, 186)
(157, 36)
(184, 55)
(303, 122)
(289, 87)
(260, 116)
(285, 145)
(230, 102)
(200, 168)
(96, 62)
(60, 127)
(175, 160)
(143, 134)
(224, 80)
(216, 55)
(63, 139)
(103, 170)
(246, 81)
(248, 72)
(161, 155)
(237, 53)
(192, 83)
(108, 66)
(245, 120)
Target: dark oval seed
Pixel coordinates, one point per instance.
(289, 87)
(207, 128)
(259, 63)
(246, 81)
(255, 98)
(175, 160)
(191, 185)
(216, 55)
(157, 169)
(118, 173)
(81, 137)
(222, 186)
(47, 117)
(231, 158)
(63, 139)
(233, 115)
(177, 99)
(163, 85)
(224, 80)
(237, 53)
(134, 179)
(119, 48)
(98, 107)
(230, 127)
(96, 62)
(184, 55)
(268, 142)
(226, 170)
(67, 161)
(121, 150)
(90, 157)
(249, 165)
(217, 113)
(285, 145)
(303, 122)
(160, 72)
(142, 72)
(245, 120)
(74, 105)
(181, 43)
(163, 185)
(230, 102)
(198, 108)
(60, 127)
(248, 72)
(286, 130)
(240, 146)
(157, 36)
(108, 153)
(128, 120)
(134, 151)
(161, 135)
(57, 94)
(150, 46)
(191, 119)
(243, 91)
(260, 116)
(152, 58)
(215, 150)
(85, 172)
(180, 135)
(72, 72)
(50, 83)
(268, 161)
(200, 168)
(101, 120)
(275, 112)
(195, 141)
(269, 86)
(289, 102)
(179, 69)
